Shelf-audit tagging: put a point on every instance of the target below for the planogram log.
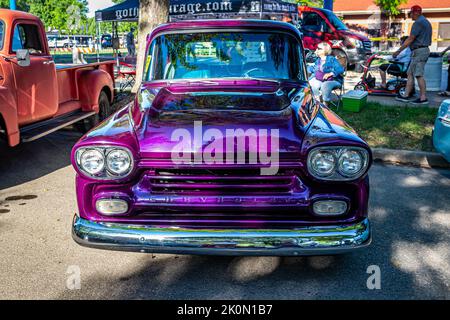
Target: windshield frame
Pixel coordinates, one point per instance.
(148, 75)
(332, 18)
(2, 38)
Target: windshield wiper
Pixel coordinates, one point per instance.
(189, 82)
(263, 79)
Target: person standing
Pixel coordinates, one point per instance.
(446, 93)
(131, 47)
(419, 42)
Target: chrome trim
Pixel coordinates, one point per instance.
(57, 128)
(444, 121)
(312, 240)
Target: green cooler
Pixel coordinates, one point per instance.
(354, 100)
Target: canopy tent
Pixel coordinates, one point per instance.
(125, 11)
(204, 9)
(128, 11)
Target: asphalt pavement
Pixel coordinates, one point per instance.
(409, 209)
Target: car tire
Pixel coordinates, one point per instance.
(105, 110)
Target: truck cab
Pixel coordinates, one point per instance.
(37, 96)
(321, 25)
(225, 151)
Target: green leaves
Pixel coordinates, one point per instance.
(391, 7)
(54, 13)
(311, 3)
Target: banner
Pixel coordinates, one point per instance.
(220, 7)
(125, 11)
(196, 9)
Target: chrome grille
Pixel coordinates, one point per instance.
(222, 181)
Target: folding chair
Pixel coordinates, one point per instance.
(338, 92)
(127, 73)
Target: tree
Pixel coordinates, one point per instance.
(53, 13)
(151, 14)
(390, 7)
(311, 3)
(21, 4)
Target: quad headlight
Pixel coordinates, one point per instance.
(118, 162)
(92, 161)
(104, 162)
(338, 163)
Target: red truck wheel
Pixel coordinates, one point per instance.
(104, 111)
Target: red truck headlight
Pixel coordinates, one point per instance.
(104, 162)
(338, 163)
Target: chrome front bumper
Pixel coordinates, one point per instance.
(317, 240)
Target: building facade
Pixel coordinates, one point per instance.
(365, 17)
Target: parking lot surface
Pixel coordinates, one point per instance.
(409, 209)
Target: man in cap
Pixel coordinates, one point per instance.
(419, 42)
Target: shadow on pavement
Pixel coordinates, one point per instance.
(410, 217)
(33, 160)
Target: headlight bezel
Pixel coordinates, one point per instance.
(335, 163)
(106, 173)
(92, 152)
(109, 161)
(338, 151)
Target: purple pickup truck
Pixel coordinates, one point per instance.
(225, 151)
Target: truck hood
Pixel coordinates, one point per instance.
(203, 119)
(352, 34)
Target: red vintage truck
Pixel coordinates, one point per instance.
(38, 97)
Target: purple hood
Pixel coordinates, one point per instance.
(146, 126)
(250, 105)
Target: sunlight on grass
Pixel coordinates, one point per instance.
(406, 128)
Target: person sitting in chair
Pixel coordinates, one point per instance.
(326, 73)
(398, 66)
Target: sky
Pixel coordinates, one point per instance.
(95, 5)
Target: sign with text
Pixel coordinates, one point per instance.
(202, 9)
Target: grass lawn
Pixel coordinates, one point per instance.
(405, 128)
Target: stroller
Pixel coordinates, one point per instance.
(395, 86)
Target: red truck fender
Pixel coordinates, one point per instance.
(8, 116)
(90, 84)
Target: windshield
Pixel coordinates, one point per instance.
(2, 34)
(225, 55)
(335, 21)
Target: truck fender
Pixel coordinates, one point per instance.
(8, 115)
(90, 84)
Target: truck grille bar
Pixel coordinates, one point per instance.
(221, 181)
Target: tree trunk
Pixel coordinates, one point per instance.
(151, 14)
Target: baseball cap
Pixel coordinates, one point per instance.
(416, 9)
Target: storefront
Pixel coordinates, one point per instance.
(366, 17)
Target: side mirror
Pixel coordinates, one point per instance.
(23, 57)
